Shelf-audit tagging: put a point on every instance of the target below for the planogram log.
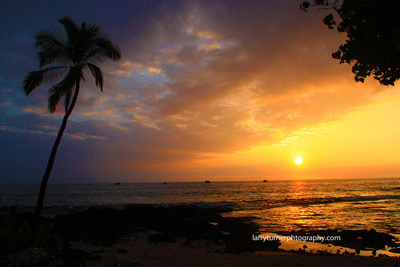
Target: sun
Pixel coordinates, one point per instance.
(298, 160)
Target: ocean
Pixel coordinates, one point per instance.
(356, 204)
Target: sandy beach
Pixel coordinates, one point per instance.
(137, 251)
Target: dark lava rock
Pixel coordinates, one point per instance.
(161, 238)
(122, 251)
(78, 255)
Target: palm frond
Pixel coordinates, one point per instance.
(71, 28)
(102, 48)
(93, 28)
(89, 32)
(48, 39)
(97, 74)
(52, 49)
(73, 36)
(48, 56)
(54, 98)
(53, 73)
(35, 78)
(62, 88)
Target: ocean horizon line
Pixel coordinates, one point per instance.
(202, 181)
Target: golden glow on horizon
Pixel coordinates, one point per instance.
(306, 132)
(298, 160)
(333, 149)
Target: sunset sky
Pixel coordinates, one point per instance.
(216, 90)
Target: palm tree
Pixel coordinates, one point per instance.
(67, 58)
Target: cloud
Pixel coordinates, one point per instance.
(196, 78)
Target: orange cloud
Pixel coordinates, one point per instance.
(215, 91)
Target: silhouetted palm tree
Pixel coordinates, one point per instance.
(67, 58)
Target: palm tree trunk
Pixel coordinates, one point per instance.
(46, 176)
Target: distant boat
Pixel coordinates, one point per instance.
(207, 182)
(117, 183)
(265, 181)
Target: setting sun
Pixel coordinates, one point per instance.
(298, 160)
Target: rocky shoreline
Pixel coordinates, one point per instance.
(99, 235)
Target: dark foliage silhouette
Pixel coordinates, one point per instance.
(66, 58)
(373, 31)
